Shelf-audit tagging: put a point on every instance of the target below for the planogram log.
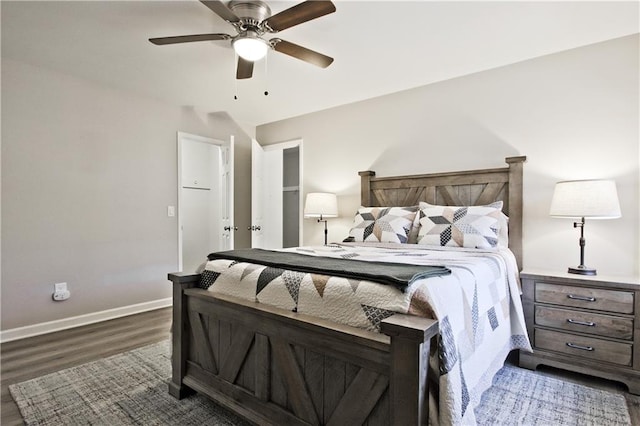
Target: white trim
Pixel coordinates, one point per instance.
(80, 320)
(280, 146)
(301, 190)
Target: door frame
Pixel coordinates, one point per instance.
(281, 146)
(180, 137)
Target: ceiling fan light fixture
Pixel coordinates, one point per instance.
(252, 20)
(251, 48)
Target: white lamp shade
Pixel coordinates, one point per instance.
(594, 199)
(321, 204)
(250, 48)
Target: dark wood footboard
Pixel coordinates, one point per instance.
(273, 366)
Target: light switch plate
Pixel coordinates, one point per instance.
(171, 211)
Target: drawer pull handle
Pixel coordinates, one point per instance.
(587, 323)
(584, 348)
(584, 298)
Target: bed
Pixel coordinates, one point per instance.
(276, 363)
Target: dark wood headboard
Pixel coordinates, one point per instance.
(464, 188)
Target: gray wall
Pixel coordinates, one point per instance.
(573, 114)
(87, 175)
(88, 171)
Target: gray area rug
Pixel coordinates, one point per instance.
(524, 397)
(131, 389)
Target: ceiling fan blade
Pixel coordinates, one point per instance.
(245, 69)
(189, 38)
(302, 12)
(220, 9)
(301, 53)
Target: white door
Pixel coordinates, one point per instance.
(257, 185)
(205, 198)
(226, 196)
(267, 194)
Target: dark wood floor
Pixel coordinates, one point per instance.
(33, 357)
(36, 356)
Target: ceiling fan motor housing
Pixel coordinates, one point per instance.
(251, 13)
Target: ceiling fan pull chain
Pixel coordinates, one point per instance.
(266, 75)
(235, 80)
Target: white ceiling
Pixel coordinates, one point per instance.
(379, 47)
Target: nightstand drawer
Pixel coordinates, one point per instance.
(585, 322)
(585, 347)
(585, 297)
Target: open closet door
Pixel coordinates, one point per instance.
(275, 200)
(257, 195)
(226, 190)
(205, 198)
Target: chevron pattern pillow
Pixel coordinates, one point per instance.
(383, 224)
(460, 226)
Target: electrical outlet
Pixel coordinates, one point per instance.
(60, 292)
(64, 295)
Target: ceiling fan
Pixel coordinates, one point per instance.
(252, 19)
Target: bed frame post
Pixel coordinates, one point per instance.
(410, 344)
(365, 187)
(179, 333)
(515, 205)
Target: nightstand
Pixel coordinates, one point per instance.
(587, 324)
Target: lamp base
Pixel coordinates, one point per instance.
(582, 270)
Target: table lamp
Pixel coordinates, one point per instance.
(321, 205)
(592, 199)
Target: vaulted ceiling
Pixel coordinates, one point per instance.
(379, 47)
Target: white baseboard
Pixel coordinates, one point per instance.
(77, 321)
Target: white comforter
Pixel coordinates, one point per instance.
(478, 307)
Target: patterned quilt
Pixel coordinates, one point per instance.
(478, 307)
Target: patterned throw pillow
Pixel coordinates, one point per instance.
(503, 221)
(383, 224)
(460, 226)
